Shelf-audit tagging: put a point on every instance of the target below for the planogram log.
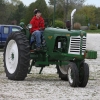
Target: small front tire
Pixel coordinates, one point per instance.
(73, 75)
(62, 71)
(84, 75)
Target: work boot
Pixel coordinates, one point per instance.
(37, 49)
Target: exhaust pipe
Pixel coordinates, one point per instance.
(72, 16)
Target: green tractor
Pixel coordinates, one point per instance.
(64, 48)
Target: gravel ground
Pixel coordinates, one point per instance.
(48, 86)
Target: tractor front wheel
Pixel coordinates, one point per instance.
(73, 74)
(62, 71)
(16, 56)
(84, 75)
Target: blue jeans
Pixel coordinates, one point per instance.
(38, 35)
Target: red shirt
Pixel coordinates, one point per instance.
(37, 24)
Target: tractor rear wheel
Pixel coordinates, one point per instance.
(62, 71)
(73, 74)
(84, 75)
(16, 56)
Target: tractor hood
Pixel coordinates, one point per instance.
(63, 32)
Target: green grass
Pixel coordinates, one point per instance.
(93, 31)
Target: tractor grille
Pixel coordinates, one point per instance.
(75, 45)
(83, 44)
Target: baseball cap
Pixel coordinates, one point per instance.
(37, 11)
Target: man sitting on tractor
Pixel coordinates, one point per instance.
(37, 28)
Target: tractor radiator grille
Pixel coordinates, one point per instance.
(75, 45)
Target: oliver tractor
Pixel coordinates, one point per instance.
(64, 48)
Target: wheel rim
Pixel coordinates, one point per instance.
(63, 69)
(11, 56)
(70, 75)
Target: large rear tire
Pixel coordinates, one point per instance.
(84, 75)
(16, 56)
(73, 75)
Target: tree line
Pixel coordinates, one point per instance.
(15, 11)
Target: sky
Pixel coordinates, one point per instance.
(88, 2)
(93, 2)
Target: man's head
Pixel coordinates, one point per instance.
(37, 12)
